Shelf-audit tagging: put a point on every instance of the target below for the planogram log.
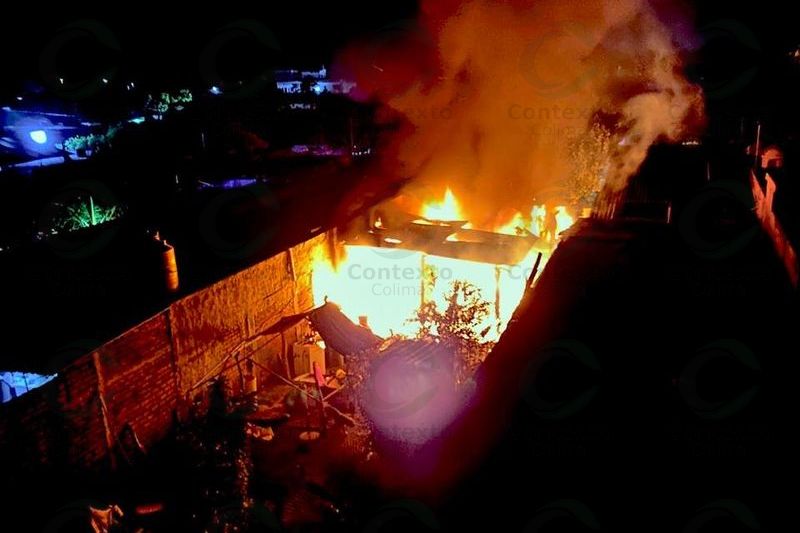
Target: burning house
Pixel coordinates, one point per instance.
(345, 292)
(393, 261)
(375, 319)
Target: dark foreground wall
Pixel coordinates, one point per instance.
(139, 382)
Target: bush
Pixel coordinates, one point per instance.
(457, 325)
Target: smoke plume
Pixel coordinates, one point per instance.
(510, 101)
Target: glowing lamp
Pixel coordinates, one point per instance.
(38, 136)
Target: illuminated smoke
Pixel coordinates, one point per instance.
(495, 95)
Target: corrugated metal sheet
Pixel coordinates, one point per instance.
(340, 333)
(420, 353)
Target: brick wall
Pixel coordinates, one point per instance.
(55, 424)
(148, 373)
(138, 379)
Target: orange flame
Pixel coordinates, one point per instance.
(388, 286)
(516, 226)
(447, 209)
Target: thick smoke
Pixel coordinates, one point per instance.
(497, 95)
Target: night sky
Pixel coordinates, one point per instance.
(163, 48)
(145, 43)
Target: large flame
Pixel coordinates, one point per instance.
(510, 100)
(447, 209)
(388, 285)
(542, 223)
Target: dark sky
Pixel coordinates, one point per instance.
(140, 41)
(146, 44)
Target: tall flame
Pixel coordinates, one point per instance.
(543, 223)
(516, 226)
(447, 209)
(388, 286)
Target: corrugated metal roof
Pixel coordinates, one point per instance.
(340, 333)
(420, 352)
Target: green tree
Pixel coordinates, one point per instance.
(457, 325)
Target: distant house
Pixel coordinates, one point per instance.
(292, 82)
(34, 132)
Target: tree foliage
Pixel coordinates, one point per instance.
(84, 214)
(165, 101)
(457, 325)
(93, 141)
(588, 154)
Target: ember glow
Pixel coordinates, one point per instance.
(388, 285)
(447, 209)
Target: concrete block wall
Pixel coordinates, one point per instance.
(149, 373)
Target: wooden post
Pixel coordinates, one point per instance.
(497, 296)
(421, 281)
(285, 355)
(534, 271)
(319, 380)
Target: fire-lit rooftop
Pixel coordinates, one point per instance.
(420, 265)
